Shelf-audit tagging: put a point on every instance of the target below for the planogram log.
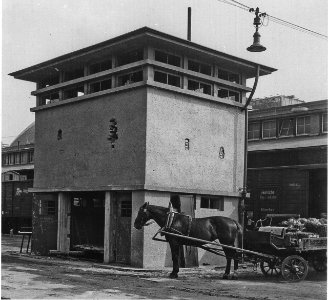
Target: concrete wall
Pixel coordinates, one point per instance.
(230, 211)
(83, 158)
(145, 252)
(171, 118)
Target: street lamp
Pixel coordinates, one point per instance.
(256, 46)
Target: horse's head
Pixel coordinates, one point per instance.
(142, 217)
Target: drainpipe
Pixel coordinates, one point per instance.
(244, 190)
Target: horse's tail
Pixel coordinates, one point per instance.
(239, 233)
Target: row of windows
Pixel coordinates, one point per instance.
(283, 128)
(18, 158)
(130, 57)
(195, 66)
(137, 76)
(48, 207)
(122, 59)
(197, 86)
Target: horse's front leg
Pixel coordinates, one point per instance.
(175, 259)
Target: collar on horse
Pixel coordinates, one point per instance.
(170, 221)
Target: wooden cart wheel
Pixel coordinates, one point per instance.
(319, 262)
(270, 268)
(294, 268)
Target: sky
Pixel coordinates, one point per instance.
(34, 31)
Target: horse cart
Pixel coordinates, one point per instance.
(279, 251)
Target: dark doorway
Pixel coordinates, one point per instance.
(87, 220)
(122, 211)
(317, 192)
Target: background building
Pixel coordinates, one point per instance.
(16, 178)
(287, 158)
(135, 119)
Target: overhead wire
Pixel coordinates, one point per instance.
(276, 20)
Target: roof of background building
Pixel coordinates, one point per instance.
(26, 137)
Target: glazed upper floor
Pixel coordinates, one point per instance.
(144, 56)
(292, 126)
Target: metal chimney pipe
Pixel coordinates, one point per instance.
(189, 24)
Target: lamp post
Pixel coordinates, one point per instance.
(256, 46)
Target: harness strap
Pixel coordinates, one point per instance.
(170, 219)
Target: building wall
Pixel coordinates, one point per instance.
(148, 253)
(44, 225)
(230, 211)
(171, 118)
(83, 158)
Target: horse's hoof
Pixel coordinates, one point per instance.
(225, 276)
(173, 275)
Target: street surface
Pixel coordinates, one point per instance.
(27, 276)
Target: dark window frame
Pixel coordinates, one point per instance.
(269, 130)
(128, 78)
(306, 126)
(200, 87)
(230, 94)
(252, 131)
(167, 58)
(168, 78)
(212, 202)
(290, 128)
(102, 85)
(324, 123)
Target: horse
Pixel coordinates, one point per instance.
(224, 229)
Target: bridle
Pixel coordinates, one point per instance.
(146, 216)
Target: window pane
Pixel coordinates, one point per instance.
(223, 74)
(69, 75)
(303, 125)
(130, 57)
(94, 87)
(234, 96)
(286, 127)
(99, 67)
(193, 85)
(173, 80)
(222, 93)
(324, 123)
(160, 56)
(193, 66)
(206, 88)
(130, 78)
(174, 60)
(204, 202)
(160, 77)
(126, 208)
(106, 84)
(269, 129)
(254, 131)
(217, 203)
